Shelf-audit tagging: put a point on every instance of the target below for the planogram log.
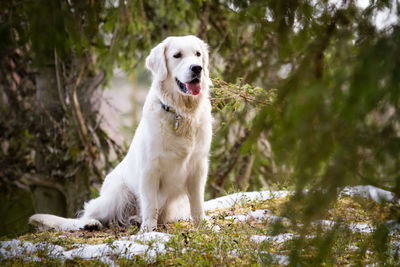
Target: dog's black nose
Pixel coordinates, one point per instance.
(196, 68)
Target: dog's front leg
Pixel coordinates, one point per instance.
(148, 202)
(195, 189)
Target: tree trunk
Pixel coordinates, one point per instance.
(69, 196)
(246, 164)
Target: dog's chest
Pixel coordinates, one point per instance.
(182, 138)
(192, 135)
(183, 153)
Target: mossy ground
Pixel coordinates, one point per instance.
(312, 244)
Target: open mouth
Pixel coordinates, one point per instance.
(192, 87)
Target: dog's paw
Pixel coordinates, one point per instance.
(92, 224)
(135, 220)
(146, 229)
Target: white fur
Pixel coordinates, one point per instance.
(163, 175)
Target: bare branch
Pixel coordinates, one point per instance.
(82, 126)
(60, 92)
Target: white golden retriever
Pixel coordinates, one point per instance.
(162, 178)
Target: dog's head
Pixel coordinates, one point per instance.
(183, 61)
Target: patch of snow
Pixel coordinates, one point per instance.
(280, 259)
(367, 191)
(235, 253)
(259, 215)
(353, 248)
(326, 224)
(88, 252)
(281, 238)
(240, 217)
(354, 227)
(396, 244)
(242, 198)
(149, 244)
(265, 214)
(10, 249)
(394, 226)
(361, 228)
(277, 258)
(15, 249)
(370, 192)
(152, 236)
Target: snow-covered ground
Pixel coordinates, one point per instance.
(150, 244)
(241, 198)
(370, 192)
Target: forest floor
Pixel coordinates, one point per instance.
(251, 232)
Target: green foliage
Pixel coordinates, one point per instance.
(235, 106)
(335, 121)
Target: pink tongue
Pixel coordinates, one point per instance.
(194, 88)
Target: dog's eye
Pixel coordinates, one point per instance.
(198, 53)
(178, 55)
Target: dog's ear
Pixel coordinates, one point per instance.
(204, 48)
(156, 63)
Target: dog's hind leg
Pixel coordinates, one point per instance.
(111, 205)
(175, 209)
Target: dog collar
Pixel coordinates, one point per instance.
(177, 117)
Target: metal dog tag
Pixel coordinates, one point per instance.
(177, 121)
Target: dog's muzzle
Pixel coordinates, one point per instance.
(193, 87)
(190, 88)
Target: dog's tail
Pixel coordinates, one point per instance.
(48, 221)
